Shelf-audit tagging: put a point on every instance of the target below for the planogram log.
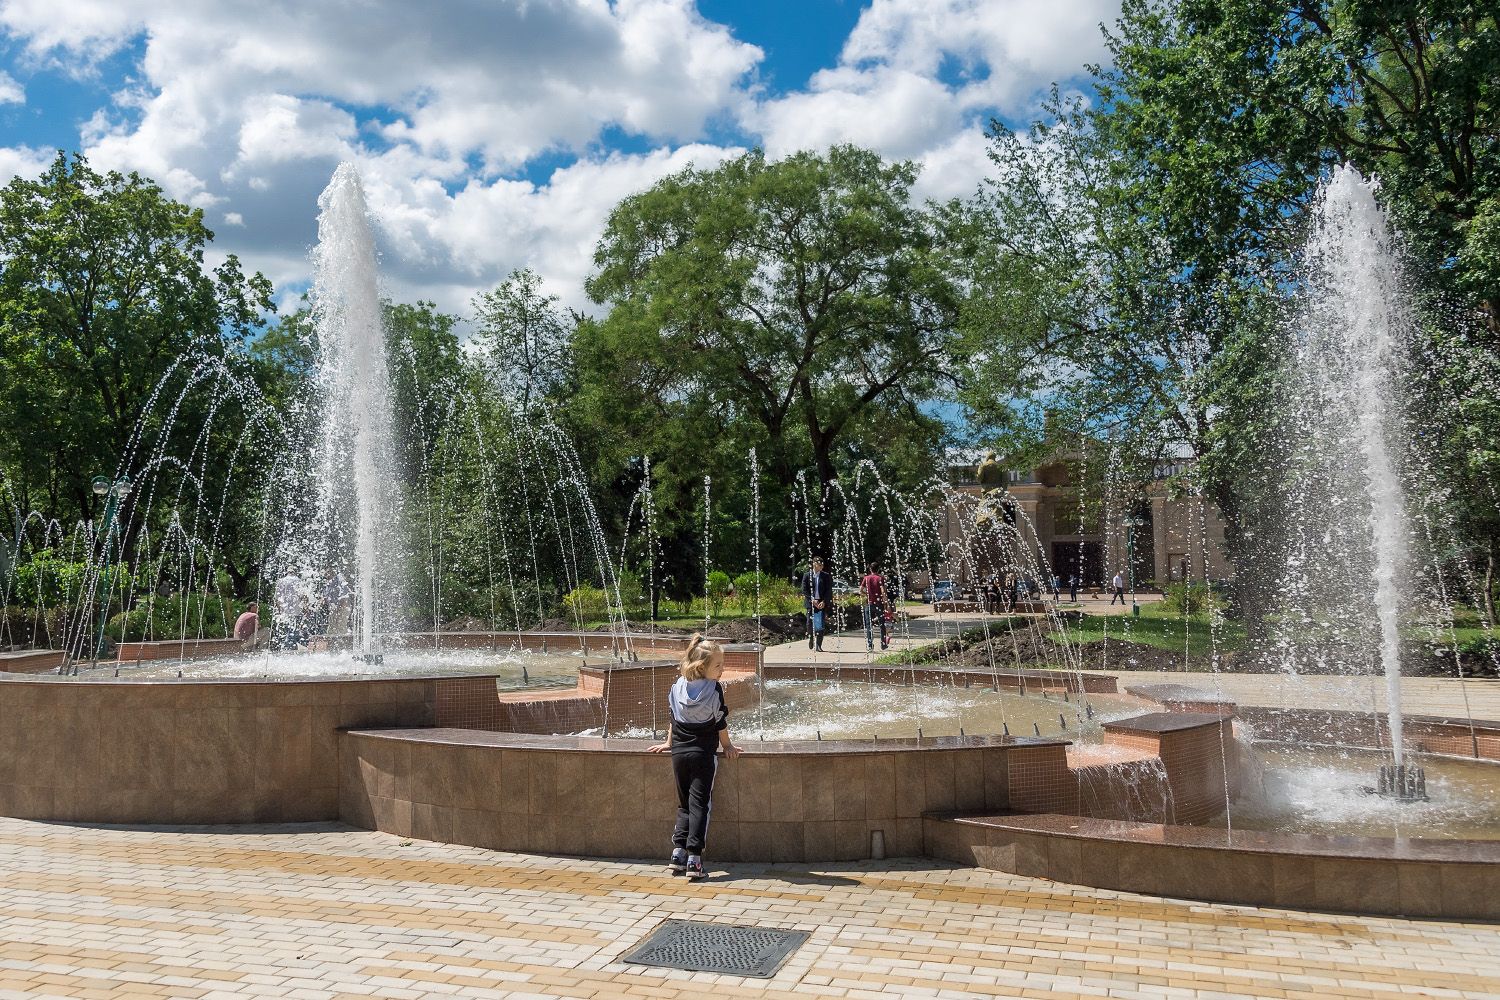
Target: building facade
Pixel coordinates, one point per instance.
(1063, 525)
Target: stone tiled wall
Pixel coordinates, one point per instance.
(190, 649)
(637, 698)
(468, 703)
(1289, 871)
(32, 661)
(1458, 737)
(1040, 780)
(187, 751)
(1194, 763)
(603, 644)
(622, 803)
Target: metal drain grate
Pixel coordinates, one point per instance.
(700, 947)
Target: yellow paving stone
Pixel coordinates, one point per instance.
(330, 912)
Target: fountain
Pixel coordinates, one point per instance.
(355, 456)
(903, 755)
(1350, 356)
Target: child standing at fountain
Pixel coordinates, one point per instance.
(700, 726)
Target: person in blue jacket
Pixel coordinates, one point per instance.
(817, 598)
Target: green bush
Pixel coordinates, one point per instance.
(48, 581)
(780, 596)
(1481, 645)
(176, 616)
(586, 602)
(1190, 599)
(718, 589)
(633, 596)
(746, 586)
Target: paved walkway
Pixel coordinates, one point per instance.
(920, 628)
(1477, 698)
(329, 913)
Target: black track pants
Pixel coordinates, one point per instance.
(695, 785)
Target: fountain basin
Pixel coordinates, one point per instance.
(794, 801)
(400, 754)
(1453, 879)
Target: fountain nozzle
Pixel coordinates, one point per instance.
(1403, 782)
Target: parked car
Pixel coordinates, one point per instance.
(942, 590)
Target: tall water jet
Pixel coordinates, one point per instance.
(356, 466)
(1349, 547)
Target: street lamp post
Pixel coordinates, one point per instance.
(1131, 523)
(113, 492)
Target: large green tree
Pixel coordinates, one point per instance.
(103, 288)
(800, 308)
(525, 333)
(1233, 111)
(1145, 244)
(800, 294)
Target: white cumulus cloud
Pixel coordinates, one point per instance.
(919, 79)
(450, 109)
(23, 161)
(11, 91)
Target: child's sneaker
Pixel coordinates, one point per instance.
(678, 864)
(694, 868)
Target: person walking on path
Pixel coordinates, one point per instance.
(1073, 589)
(817, 597)
(700, 727)
(876, 607)
(1119, 586)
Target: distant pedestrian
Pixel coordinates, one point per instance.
(1056, 588)
(817, 598)
(1073, 589)
(1119, 587)
(877, 607)
(700, 727)
(291, 605)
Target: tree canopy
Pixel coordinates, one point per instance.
(103, 288)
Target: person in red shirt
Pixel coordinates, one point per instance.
(876, 604)
(247, 626)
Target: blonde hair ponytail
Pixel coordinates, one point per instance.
(700, 655)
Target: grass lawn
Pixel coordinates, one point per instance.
(1469, 638)
(1163, 629)
(1160, 629)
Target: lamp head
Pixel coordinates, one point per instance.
(104, 486)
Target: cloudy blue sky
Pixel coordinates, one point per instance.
(495, 134)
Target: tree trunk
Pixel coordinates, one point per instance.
(1489, 591)
(240, 581)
